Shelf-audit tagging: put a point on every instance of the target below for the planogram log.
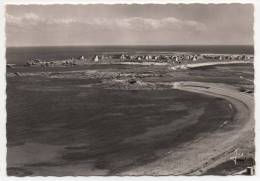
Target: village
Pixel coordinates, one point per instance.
(141, 58)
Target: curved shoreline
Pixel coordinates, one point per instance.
(188, 65)
(209, 150)
(195, 65)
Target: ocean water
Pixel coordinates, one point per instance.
(20, 55)
(105, 131)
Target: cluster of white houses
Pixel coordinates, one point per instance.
(160, 58)
(175, 57)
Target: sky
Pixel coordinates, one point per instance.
(136, 24)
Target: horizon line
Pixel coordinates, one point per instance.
(132, 45)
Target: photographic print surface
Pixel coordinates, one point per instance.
(130, 90)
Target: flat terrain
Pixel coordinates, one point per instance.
(128, 120)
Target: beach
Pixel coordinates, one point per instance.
(208, 150)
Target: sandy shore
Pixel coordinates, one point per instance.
(209, 150)
(188, 65)
(216, 63)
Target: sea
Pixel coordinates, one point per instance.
(20, 55)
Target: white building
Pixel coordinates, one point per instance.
(96, 59)
(122, 57)
(194, 58)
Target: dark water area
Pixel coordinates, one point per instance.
(20, 55)
(97, 125)
(107, 127)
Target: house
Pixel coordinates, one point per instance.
(96, 59)
(156, 57)
(122, 57)
(148, 57)
(139, 58)
(82, 58)
(194, 58)
(187, 57)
